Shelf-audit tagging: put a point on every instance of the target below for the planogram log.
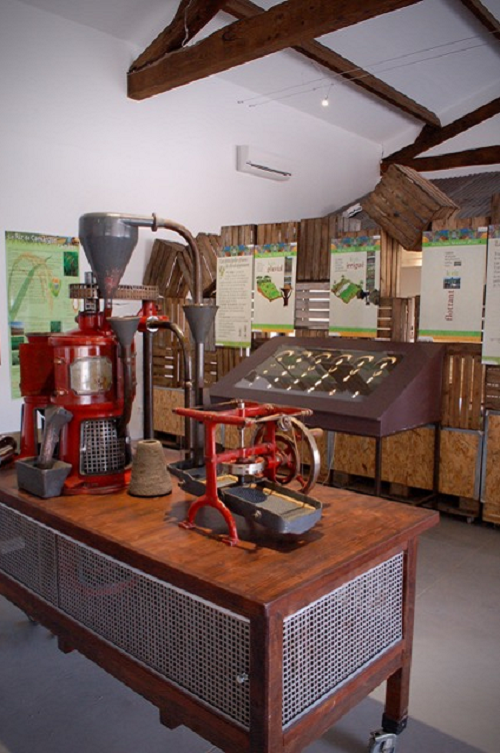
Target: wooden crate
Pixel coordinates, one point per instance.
(163, 269)
(277, 232)
(164, 419)
(492, 388)
(354, 455)
(312, 307)
(210, 246)
(313, 249)
(408, 458)
(393, 321)
(460, 465)
(408, 462)
(391, 253)
(490, 489)
(238, 235)
(463, 386)
(404, 203)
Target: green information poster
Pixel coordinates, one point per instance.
(274, 285)
(39, 270)
(354, 286)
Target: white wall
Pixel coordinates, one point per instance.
(71, 142)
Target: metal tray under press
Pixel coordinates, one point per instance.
(274, 506)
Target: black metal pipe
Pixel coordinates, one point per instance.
(147, 383)
(128, 359)
(152, 325)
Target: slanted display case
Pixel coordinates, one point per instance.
(366, 387)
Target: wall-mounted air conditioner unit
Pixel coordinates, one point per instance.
(263, 164)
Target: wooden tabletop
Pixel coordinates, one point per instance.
(355, 529)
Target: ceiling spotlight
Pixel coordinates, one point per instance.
(325, 102)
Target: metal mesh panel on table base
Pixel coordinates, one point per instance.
(195, 644)
(334, 638)
(28, 553)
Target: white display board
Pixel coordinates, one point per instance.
(234, 297)
(453, 277)
(354, 286)
(491, 334)
(275, 269)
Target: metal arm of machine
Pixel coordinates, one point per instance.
(154, 223)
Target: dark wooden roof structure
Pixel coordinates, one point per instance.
(169, 62)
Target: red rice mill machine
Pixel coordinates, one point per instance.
(83, 382)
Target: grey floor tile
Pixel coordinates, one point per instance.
(56, 703)
(352, 733)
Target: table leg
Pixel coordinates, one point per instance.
(266, 687)
(395, 715)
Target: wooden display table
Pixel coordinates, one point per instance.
(259, 647)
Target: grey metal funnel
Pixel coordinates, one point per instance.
(124, 328)
(108, 241)
(200, 318)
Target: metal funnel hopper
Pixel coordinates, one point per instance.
(200, 318)
(108, 241)
(124, 328)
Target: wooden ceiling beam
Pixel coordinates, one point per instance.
(484, 16)
(484, 155)
(430, 137)
(283, 25)
(190, 18)
(342, 67)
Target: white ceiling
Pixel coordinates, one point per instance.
(434, 52)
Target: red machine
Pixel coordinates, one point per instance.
(89, 373)
(248, 480)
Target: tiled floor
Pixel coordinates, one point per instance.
(56, 703)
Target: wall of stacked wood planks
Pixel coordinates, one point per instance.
(470, 427)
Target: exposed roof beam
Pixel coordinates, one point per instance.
(339, 65)
(484, 16)
(282, 26)
(429, 136)
(485, 155)
(190, 18)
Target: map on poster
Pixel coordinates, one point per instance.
(354, 286)
(453, 276)
(274, 282)
(491, 333)
(39, 270)
(234, 297)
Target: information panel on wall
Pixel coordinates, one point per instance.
(453, 277)
(354, 286)
(40, 269)
(275, 266)
(234, 297)
(491, 333)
